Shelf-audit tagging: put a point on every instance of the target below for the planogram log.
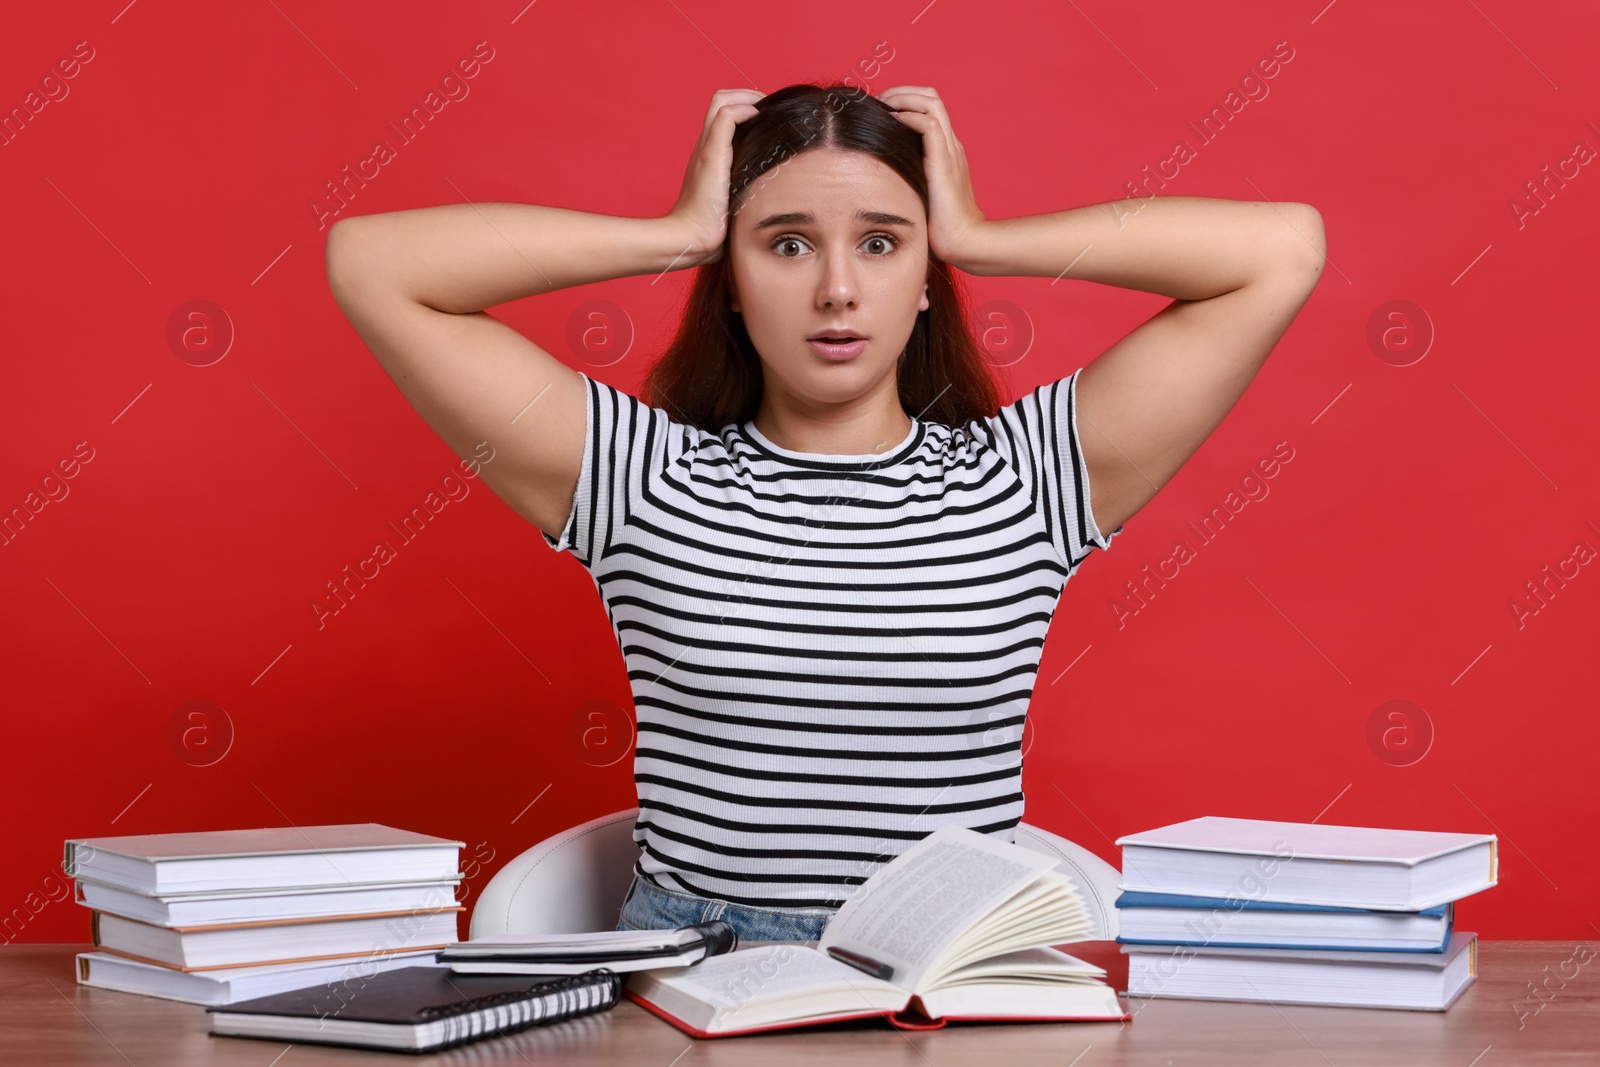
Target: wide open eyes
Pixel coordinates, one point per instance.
(878, 244)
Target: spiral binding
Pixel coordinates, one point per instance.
(548, 1001)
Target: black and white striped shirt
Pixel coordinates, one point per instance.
(830, 656)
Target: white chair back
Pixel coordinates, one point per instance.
(574, 881)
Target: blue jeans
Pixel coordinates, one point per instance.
(649, 907)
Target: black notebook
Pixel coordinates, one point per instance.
(616, 950)
(417, 1009)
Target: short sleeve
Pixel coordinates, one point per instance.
(626, 443)
(1038, 436)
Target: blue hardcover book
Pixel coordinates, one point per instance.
(1234, 922)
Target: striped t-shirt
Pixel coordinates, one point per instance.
(830, 656)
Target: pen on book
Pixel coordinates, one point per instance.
(861, 963)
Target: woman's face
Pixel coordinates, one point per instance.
(829, 239)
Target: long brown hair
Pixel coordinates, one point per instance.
(710, 375)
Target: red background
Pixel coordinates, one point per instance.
(184, 559)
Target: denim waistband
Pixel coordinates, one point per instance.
(650, 907)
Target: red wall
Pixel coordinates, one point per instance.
(208, 505)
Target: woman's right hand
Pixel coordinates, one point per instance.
(701, 213)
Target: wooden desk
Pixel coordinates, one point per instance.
(47, 1018)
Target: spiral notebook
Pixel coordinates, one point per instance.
(417, 1009)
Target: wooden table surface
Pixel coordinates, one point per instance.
(47, 1018)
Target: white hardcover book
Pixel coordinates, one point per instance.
(1309, 863)
(245, 905)
(267, 857)
(273, 941)
(1419, 981)
(226, 985)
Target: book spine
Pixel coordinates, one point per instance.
(549, 1001)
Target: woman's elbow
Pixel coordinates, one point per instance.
(347, 258)
(1308, 237)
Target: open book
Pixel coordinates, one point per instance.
(956, 927)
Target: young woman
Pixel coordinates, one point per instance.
(829, 556)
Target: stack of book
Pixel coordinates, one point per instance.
(215, 917)
(1247, 909)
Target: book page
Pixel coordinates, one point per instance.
(758, 986)
(1030, 964)
(904, 915)
(1023, 1000)
(779, 971)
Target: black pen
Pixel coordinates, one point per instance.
(861, 963)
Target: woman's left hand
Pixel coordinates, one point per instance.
(953, 215)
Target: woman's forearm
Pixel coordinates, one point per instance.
(1185, 247)
(463, 258)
